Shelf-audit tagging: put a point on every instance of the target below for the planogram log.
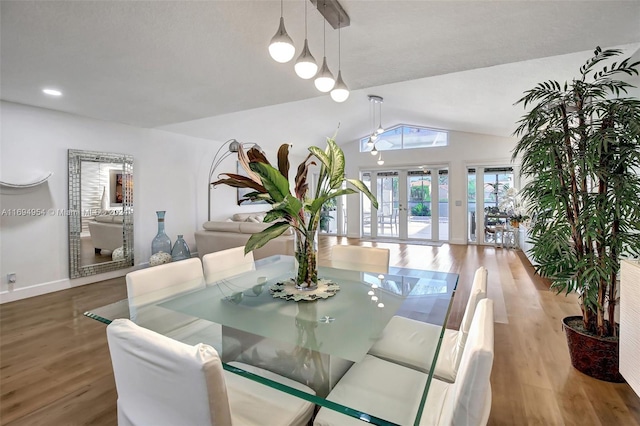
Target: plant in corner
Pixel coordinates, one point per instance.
(294, 210)
(580, 149)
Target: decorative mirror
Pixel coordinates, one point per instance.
(100, 212)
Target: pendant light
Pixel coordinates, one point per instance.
(376, 100)
(380, 128)
(306, 66)
(281, 48)
(374, 151)
(380, 160)
(324, 81)
(373, 137)
(340, 92)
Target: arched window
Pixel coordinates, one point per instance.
(403, 136)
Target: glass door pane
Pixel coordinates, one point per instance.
(419, 205)
(387, 194)
(496, 182)
(342, 219)
(471, 206)
(443, 205)
(366, 206)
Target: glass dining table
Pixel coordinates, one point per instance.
(312, 342)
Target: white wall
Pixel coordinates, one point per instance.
(464, 149)
(170, 173)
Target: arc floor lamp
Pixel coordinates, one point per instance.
(232, 147)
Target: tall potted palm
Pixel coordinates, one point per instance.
(296, 210)
(580, 151)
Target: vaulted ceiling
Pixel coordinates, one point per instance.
(453, 64)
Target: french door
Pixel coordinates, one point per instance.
(413, 204)
(486, 190)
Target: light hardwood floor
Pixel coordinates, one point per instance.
(55, 367)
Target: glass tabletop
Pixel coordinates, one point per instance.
(313, 342)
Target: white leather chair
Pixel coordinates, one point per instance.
(226, 263)
(393, 392)
(368, 259)
(161, 381)
(413, 343)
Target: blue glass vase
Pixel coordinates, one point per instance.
(161, 242)
(180, 250)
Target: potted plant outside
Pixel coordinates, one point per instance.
(511, 204)
(325, 215)
(294, 210)
(580, 151)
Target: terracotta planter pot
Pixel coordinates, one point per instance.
(594, 356)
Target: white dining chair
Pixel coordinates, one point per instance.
(393, 392)
(225, 263)
(368, 259)
(159, 282)
(161, 381)
(146, 287)
(413, 343)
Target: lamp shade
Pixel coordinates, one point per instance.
(324, 81)
(306, 66)
(281, 48)
(340, 92)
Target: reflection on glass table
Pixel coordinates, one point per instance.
(312, 342)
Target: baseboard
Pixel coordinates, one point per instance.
(58, 285)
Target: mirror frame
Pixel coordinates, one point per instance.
(75, 217)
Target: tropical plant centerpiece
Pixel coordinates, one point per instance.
(294, 210)
(580, 149)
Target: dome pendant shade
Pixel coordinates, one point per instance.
(306, 66)
(281, 48)
(340, 92)
(324, 81)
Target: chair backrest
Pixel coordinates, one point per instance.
(159, 282)
(469, 402)
(370, 259)
(225, 263)
(161, 381)
(478, 292)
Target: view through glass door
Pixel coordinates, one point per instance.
(484, 210)
(411, 204)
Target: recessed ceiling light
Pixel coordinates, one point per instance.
(52, 92)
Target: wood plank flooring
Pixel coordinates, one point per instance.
(55, 367)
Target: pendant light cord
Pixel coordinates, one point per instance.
(281, 8)
(339, 45)
(324, 32)
(305, 19)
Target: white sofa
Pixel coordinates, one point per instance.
(106, 232)
(235, 232)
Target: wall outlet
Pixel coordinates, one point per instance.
(11, 278)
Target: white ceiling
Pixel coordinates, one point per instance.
(191, 66)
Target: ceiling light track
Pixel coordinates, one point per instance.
(333, 13)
